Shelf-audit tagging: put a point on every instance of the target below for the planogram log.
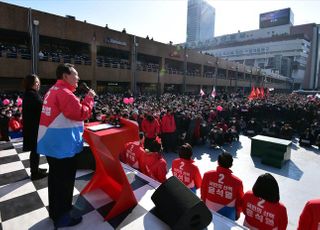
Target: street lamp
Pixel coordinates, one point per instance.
(216, 72)
(134, 66)
(184, 68)
(94, 61)
(265, 80)
(251, 77)
(35, 22)
(236, 84)
(158, 85)
(258, 75)
(231, 77)
(35, 45)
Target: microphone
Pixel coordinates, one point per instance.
(84, 87)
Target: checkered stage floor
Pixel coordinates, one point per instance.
(24, 203)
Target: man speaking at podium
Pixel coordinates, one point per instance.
(60, 139)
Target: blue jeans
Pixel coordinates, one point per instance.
(229, 212)
(194, 190)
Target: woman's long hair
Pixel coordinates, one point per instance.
(29, 81)
(266, 187)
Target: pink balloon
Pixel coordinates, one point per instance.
(126, 100)
(6, 102)
(131, 100)
(19, 101)
(219, 108)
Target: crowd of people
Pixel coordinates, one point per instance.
(197, 119)
(169, 123)
(201, 120)
(190, 119)
(220, 189)
(11, 124)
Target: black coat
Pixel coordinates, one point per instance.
(4, 127)
(31, 111)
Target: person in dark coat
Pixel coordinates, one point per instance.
(31, 110)
(4, 125)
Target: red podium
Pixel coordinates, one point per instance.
(109, 175)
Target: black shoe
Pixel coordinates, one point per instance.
(42, 170)
(39, 175)
(67, 221)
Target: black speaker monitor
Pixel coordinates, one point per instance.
(179, 207)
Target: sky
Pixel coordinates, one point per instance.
(166, 20)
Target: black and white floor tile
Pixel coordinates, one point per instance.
(24, 203)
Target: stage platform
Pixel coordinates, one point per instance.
(23, 203)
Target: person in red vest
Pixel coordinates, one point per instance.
(133, 153)
(310, 216)
(222, 124)
(262, 207)
(153, 163)
(15, 125)
(221, 190)
(168, 129)
(151, 128)
(185, 170)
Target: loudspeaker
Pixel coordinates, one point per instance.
(179, 207)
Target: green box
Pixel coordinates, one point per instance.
(272, 151)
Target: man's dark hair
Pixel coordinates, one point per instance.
(225, 160)
(28, 81)
(17, 114)
(155, 146)
(185, 151)
(150, 118)
(117, 110)
(266, 187)
(63, 68)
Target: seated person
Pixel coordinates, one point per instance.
(15, 126)
(317, 141)
(151, 128)
(222, 124)
(305, 138)
(252, 127)
(265, 127)
(204, 132)
(274, 129)
(221, 190)
(262, 207)
(133, 153)
(115, 117)
(153, 163)
(232, 134)
(242, 124)
(216, 136)
(286, 131)
(310, 216)
(315, 130)
(185, 169)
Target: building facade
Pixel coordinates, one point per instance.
(36, 42)
(278, 47)
(200, 21)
